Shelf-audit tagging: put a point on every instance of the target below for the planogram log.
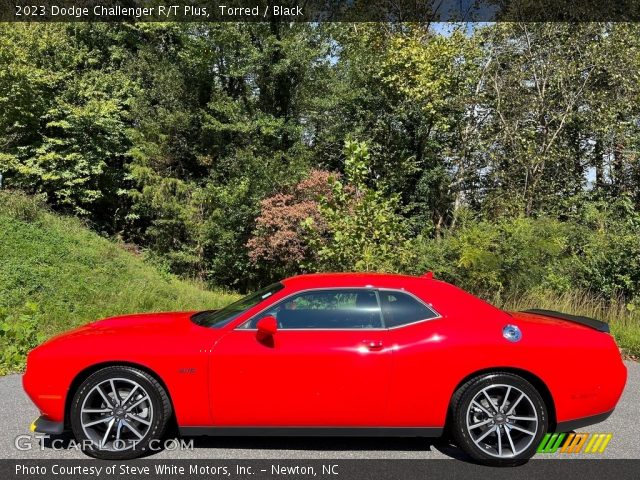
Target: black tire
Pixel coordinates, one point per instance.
(461, 408)
(160, 408)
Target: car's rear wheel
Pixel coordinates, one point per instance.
(117, 412)
(498, 419)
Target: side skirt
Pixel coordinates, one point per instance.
(312, 431)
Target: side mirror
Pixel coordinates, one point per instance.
(267, 325)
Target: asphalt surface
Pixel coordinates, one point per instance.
(17, 413)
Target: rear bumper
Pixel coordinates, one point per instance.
(571, 425)
(44, 425)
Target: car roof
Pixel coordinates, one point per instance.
(371, 280)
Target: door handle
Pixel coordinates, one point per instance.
(373, 345)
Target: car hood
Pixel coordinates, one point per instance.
(141, 323)
(142, 320)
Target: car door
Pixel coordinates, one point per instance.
(326, 366)
(421, 360)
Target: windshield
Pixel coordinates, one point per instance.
(220, 318)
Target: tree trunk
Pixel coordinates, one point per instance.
(618, 168)
(598, 164)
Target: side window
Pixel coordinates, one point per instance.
(326, 309)
(401, 309)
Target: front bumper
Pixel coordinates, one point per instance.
(43, 425)
(47, 396)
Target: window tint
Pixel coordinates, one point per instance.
(400, 309)
(326, 309)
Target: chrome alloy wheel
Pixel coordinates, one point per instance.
(502, 421)
(116, 414)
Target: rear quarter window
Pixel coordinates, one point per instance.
(402, 309)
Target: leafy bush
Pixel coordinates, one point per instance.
(365, 231)
(497, 258)
(19, 333)
(605, 248)
(597, 250)
(22, 207)
(330, 222)
(279, 240)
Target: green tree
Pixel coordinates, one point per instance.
(364, 230)
(220, 127)
(64, 104)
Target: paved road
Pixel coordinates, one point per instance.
(17, 412)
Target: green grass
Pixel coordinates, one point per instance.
(55, 274)
(624, 321)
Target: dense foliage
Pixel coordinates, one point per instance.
(502, 157)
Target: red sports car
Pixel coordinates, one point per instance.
(331, 354)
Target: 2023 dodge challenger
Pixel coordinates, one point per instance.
(330, 354)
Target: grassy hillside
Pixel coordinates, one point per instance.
(55, 274)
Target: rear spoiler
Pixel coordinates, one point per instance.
(586, 321)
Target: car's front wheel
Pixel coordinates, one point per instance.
(498, 419)
(119, 412)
